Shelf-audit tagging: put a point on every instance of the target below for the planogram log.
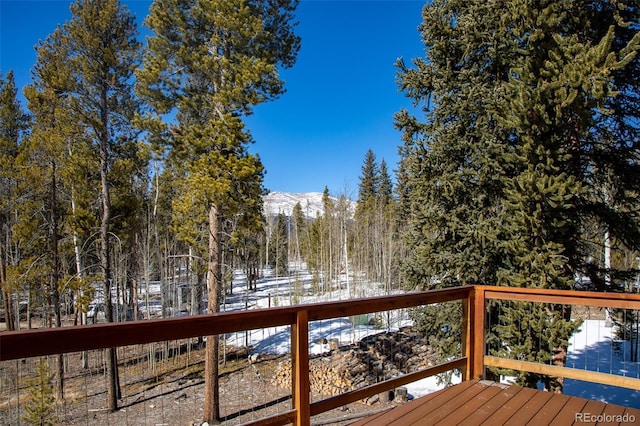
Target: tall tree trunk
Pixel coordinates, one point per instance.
(78, 262)
(132, 271)
(54, 276)
(113, 391)
(559, 356)
(211, 394)
(6, 295)
(105, 260)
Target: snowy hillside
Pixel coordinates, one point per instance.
(282, 202)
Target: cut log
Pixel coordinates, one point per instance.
(375, 358)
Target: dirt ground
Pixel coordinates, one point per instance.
(163, 385)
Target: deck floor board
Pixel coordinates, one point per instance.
(478, 402)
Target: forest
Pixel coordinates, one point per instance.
(130, 163)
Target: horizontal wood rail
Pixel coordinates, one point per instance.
(566, 297)
(51, 341)
(557, 371)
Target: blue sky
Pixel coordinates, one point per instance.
(341, 93)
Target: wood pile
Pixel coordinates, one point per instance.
(375, 358)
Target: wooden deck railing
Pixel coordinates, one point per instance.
(41, 342)
(558, 297)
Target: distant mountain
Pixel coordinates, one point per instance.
(283, 202)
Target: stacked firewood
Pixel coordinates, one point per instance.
(375, 358)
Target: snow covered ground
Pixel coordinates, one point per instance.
(281, 291)
(594, 348)
(591, 348)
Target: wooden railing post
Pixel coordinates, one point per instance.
(467, 334)
(473, 313)
(478, 321)
(300, 365)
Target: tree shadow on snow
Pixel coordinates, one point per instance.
(604, 357)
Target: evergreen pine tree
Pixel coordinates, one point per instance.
(87, 65)
(454, 162)
(210, 63)
(385, 188)
(388, 234)
(13, 125)
(281, 246)
(369, 180)
(375, 237)
(42, 209)
(327, 237)
(557, 99)
(300, 232)
(501, 176)
(40, 409)
(365, 215)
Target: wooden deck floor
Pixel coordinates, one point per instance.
(488, 403)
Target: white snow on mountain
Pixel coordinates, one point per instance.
(283, 202)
